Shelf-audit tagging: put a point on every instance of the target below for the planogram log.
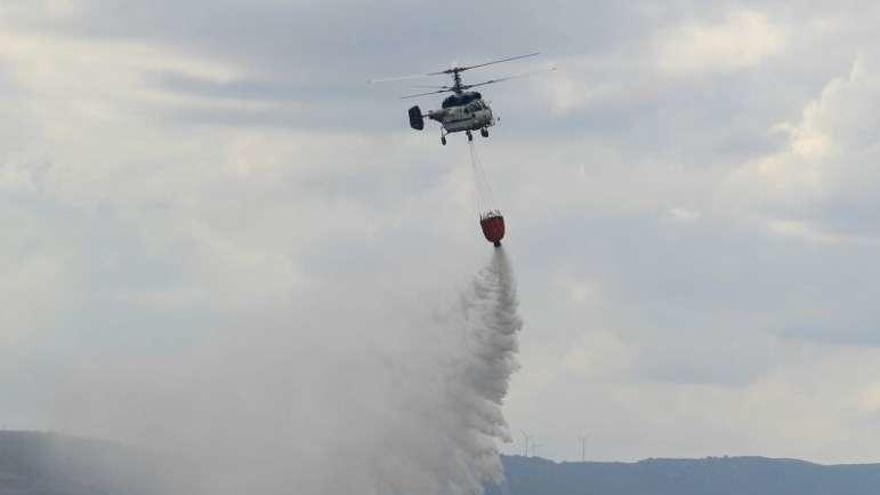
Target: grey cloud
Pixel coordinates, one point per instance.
(250, 89)
(300, 182)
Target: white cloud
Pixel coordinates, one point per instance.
(216, 195)
(48, 9)
(34, 288)
(822, 184)
(600, 354)
(743, 39)
(678, 214)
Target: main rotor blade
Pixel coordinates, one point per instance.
(398, 78)
(468, 67)
(500, 79)
(451, 70)
(426, 94)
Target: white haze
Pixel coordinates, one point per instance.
(407, 400)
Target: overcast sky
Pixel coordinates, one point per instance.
(691, 199)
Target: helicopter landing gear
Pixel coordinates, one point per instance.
(443, 140)
(470, 136)
(484, 132)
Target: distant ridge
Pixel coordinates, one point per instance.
(709, 476)
(36, 463)
(33, 463)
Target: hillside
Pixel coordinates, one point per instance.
(715, 476)
(50, 464)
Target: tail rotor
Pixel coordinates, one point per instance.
(416, 120)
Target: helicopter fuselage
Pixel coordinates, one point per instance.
(463, 112)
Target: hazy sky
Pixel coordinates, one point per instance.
(692, 201)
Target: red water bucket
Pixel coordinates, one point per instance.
(492, 224)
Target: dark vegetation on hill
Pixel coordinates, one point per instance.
(49, 464)
(710, 476)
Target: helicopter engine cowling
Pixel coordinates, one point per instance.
(416, 121)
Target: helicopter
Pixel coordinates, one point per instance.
(464, 110)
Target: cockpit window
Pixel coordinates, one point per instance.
(462, 99)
